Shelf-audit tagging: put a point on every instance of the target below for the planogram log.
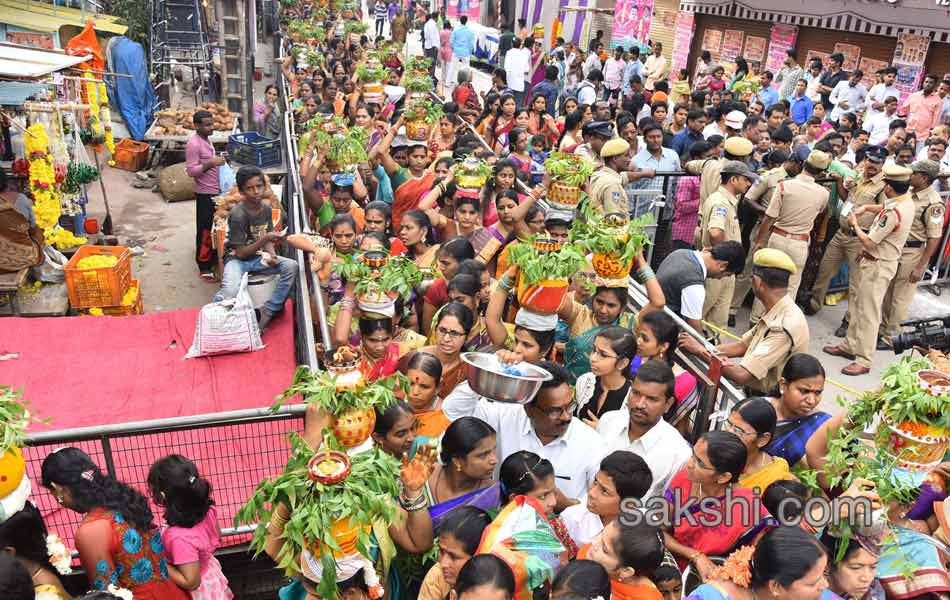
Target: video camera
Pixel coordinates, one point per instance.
(926, 333)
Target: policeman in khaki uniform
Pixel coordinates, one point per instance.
(878, 262)
(719, 223)
(708, 169)
(925, 234)
(605, 188)
(758, 198)
(596, 135)
(781, 332)
(845, 244)
(790, 218)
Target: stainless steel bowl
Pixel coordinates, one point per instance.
(487, 377)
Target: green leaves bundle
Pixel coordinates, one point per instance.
(347, 149)
(902, 399)
(537, 266)
(399, 275)
(365, 496)
(568, 169)
(595, 234)
(417, 83)
(424, 110)
(367, 73)
(14, 419)
(355, 27)
(319, 388)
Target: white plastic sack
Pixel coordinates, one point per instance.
(227, 326)
(53, 269)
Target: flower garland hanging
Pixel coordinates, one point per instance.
(43, 187)
(92, 98)
(105, 116)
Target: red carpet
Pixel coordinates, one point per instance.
(88, 371)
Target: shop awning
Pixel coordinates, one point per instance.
(41, 18)
(17, 61)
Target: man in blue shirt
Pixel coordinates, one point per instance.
(548, 89)
(462, 42)
(693, 132)
(801, 104)
(634, 67)
(653, 157)
(768, 95)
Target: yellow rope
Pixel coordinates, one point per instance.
(729, 334)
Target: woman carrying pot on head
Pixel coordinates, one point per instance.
(458, 537)
(608, 307)
(23, 536)
(409, 183)
(118, 541)
(411, 531)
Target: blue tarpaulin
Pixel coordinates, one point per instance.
(132, 96)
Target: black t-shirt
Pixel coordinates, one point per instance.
(614, 401)
(831, 80)
(245, 228)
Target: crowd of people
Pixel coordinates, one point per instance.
(770, 162)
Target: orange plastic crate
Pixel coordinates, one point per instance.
(124, 310)
(131, 155)
(89, 288)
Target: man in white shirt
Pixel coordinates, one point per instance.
(545, 426)
(517, 64)
(640, 427)
(431, 41)
(880, 92)
(848, 96)
(655, 66)
(878, 126)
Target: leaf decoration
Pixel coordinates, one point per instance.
(568, 169)
(597, 235)
(536, 265)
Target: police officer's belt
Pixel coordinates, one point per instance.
(914, 244)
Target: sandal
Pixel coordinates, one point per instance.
(207, 276)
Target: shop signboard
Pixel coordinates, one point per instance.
(851, 53)
(781, 39)
(682, 39)
(731, 44)
(712, 40)
(631, 23)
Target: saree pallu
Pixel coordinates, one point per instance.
(486, 499)
(407, 195)
(385, 366)
(705, 535)
(627, 591)
(791, 436)
(487, 242)
(929, 576)
(578, 348)
(777, 470)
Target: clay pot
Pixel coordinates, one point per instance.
(418, 131)
(543, 297)
(334, 456)
(346, 536)
(912, 452)
(565, 195)
(354, 427)
(609, 266)
(933, 382)
(374, 259)
(546, 245)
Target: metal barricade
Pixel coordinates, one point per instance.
(717, 395)
(233, 450)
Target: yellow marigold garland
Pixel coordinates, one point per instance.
(92, 98)
(106, 117)
(43, 187)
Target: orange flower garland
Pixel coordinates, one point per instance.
(737, 568)
(106, 119)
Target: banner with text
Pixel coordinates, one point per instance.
(781, 39)
(682, 39)
(631, 23)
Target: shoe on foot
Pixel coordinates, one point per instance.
(264, 320)
(812, 307)
(835, 350)
(732, 321)
(855, 369)
(842, 330)
(884, 343)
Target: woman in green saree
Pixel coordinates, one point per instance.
(608, 307)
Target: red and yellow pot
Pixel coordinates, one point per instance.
(418, 131)
(560, 193)
(328, 467)
(544, 297)
(609, 266)
(354, 427)
(345, 534)
(914, 446)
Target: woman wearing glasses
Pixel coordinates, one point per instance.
(700, 489)
(753, 422)
(452, 328)
(606, 386)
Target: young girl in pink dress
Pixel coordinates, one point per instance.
(192, 534)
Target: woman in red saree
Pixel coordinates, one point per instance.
(409, 183)
(700, 529)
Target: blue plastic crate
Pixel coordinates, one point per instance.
(252, 148)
